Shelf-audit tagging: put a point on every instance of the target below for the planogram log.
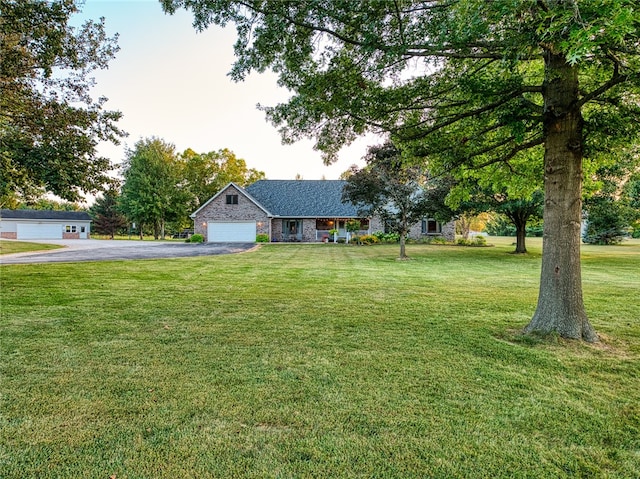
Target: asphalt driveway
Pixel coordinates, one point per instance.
(107, 250)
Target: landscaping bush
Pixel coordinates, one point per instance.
(196, 238)
(437, 240)
(368, 239)
(480, 241)
(477, 241)
(387, 237)
(262, 238)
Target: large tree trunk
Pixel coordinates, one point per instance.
(560, 305)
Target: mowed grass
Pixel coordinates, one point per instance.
(316, 361)
(10, 247)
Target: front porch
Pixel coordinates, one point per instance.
(316, 229)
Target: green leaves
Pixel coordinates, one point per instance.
(49, 124)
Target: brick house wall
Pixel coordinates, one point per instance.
(415, 232)
(218, 210)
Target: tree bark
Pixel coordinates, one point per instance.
(521, 234)
(403, 250)
(519, 218)
(560, 306)
(404, 230)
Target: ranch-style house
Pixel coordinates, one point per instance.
(290, 210)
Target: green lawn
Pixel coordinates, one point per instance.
(299, 361)
(10, 247)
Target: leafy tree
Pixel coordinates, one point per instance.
(610, 207)
(518, 209)
(469, 82)
(106, 214)
(50, 204)
(387, 188)
(49, 123)
(520, 212)
(608, 220)
(476, 195)
(206, 173)
(152, 192)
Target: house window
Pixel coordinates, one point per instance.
(82, 229)
(232, 199)
(324, 224)
(70, 228)
(431, 227)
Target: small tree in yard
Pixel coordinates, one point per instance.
(353, 226)
(519, 212)
(388, 188)
(107, 218)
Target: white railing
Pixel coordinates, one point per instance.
(321, 234)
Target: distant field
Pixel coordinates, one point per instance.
(316, 361)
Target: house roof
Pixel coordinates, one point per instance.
(45, 215)
(302, 198)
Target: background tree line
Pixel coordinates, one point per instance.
(161, 188)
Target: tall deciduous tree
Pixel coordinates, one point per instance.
(470, 82)
(152, 192)
(49, 123)
(389, 189)
(206, 173)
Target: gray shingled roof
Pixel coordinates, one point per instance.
(45, 215)
(302, 198)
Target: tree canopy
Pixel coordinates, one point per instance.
(106, 214)
(206, 173)
(152, 192)
(468, 83)
(387, 188)
(49, 123)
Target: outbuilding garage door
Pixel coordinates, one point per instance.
(233, 232)
(38, 231)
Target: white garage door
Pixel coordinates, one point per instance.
(39, 231)
(232, 232)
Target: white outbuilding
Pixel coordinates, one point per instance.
(44, 224)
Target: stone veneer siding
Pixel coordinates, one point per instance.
(308, 229)
(219, 210)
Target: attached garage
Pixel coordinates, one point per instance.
(39, 231)
(231, 232)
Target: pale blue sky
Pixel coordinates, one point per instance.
(171, 82)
